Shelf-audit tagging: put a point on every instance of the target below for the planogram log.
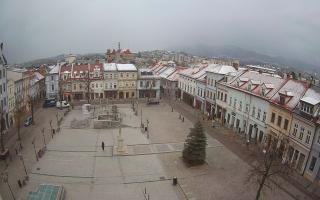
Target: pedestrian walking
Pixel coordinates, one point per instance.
(102, 146)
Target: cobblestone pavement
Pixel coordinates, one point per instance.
(297, 187)
(13, 165)
(74, 158)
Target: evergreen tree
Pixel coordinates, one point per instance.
(194, 152)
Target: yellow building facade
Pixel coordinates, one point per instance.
(11, 101)
(127, 80)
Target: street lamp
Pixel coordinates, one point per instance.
(147, 128)
(24, 166)
(34, 148)
(44, 138)
(141, 117)
(4, 179)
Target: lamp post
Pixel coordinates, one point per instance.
(4, 179)
(34, 148)
(141, 117)
(147, 128)
(24, 166)
(44, 138)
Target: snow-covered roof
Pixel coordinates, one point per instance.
(167, 72)
(54, 69)
(221, 69)
(258, 80)
(126, 67)
(109, 67)
(312, 95)
(292, 88)
(38, 76)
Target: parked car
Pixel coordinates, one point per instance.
(49, 103)
(62, 104)
(28, 121)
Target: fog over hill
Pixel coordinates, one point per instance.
(246, 56)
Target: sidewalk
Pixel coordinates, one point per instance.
(13, 165)
(236, 144)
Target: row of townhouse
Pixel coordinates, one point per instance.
(197, 85)
(169, 74)
(23, 86)
(101, 81)
(264, 108)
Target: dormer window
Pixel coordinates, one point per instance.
(282, 100)
(249, 87)
(285, 97)
(307, 108)
(263, 91)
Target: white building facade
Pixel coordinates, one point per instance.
(52, 82)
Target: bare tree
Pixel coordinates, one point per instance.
(51, 128)
(88, 82)
(31, 103)
(2, 128)
(18, 115)
(269, 168)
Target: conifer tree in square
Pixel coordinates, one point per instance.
(194, 152)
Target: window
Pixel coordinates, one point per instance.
(51, 78)
(312, 163)
(318, 139)
(301, 133)
(240, 105)
(235, 103)
(308, 137)
(52, 87)
(279, 120)
(230, 101)
(225, 97)
(218, 94)
(273, 117)
(80, 86)
(286, 123)
(282, 100)
(264, 116)
(0, 89)
(253, 111)
(0, 74)
(295, 130)
(306, 108)
(141, 84)
(4, 87)
(121, 75)
(259, 114)
(247, 108)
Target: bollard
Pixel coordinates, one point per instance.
(19, 183)
(182, 119)
(174, 181)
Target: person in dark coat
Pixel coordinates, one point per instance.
(102, 146)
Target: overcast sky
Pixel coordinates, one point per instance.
(40, 28)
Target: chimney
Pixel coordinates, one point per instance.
(235, 65)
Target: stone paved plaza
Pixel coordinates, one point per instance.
(75, 159)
